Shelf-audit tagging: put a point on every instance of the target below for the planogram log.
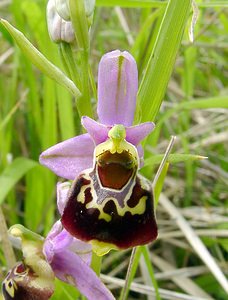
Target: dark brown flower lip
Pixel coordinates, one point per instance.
(121, 219)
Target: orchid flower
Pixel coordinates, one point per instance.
(59, 255)
(109, 204)
(70, 261)
(33, 278)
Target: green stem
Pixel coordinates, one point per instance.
(146, 254)
(132, 267)
(80, 24)
(96, 263)
(68, 60)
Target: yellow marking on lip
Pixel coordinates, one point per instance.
(121, 211)
(81, 194)
(102, 248)
(10, 290)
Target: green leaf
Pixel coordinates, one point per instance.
(152, 3)
(81, 30)
(157, 74)
(173, 158)
(131, 3)
(135, 263)
(12, 173)
(205, 103)
(146, 254)
(40, 61)
(213, 102)
(5, 34)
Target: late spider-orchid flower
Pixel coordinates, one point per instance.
(70, 261)
(109, 204)
(59, 255)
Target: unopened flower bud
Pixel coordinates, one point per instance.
(62, 8)
(89, 7)
(59, 29)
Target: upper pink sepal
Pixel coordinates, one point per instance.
(97, 131)
(135, 134)
(117, 88)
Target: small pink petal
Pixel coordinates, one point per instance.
(70, 259)
(69, 158)
(84, 250)
(97, 131)
(70, 268)
(59, 240)
(117, 88)
(135, 134)
(48, 248)
(62, 192)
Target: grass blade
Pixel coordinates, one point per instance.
(40, 61)
(162, 59)
(194, 241)
(173, 158)
(10, 176)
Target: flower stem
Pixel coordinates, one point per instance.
(96, 263)
(6, 245)
(80, 24)
(125, 289)
(164, 160)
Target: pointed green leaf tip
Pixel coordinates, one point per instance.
(40, 61)
(173, 158)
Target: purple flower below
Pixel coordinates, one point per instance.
(70, 261)
(59, 255)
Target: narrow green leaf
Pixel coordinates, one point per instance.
(214, 3)
(152, 3)
(12, 173)
(131, 3)
(153, 86)
(80, 24)
(205, 103)
(40, 61)
(213, 102)
(173, 158)
(132, 273)
(66, 114)
(146, 254)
